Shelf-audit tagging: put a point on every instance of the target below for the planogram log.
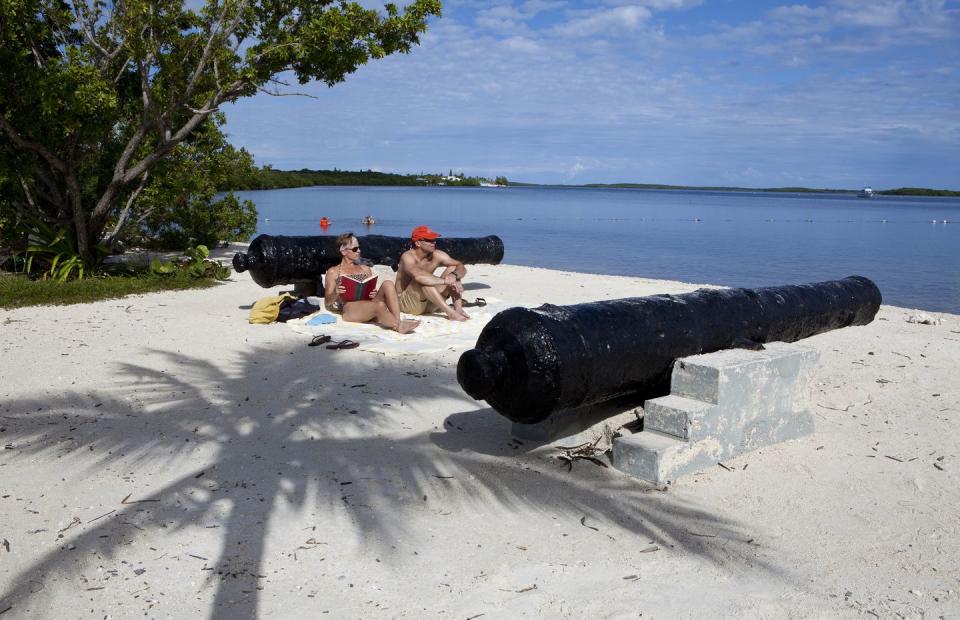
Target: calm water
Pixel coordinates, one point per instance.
(731, 238)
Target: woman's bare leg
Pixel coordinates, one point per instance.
(388, 294)
(366, 310)
(393, 321)
(359, 311)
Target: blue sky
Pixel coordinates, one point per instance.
(836, 94)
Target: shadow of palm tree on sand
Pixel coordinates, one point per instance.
(316, 446)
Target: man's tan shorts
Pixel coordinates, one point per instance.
(411, 303)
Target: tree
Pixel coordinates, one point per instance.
(178, 209)
(96, 96)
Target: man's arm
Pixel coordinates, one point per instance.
(423, 277)
(452, 265)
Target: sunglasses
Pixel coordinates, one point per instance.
(353, 249)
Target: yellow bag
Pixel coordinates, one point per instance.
(267, 309)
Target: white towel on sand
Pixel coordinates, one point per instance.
(435, 332)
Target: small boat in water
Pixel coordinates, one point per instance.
(866, 192)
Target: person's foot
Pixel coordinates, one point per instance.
(458, 308)
(457, 316)
(407, 326)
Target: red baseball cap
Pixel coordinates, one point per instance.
(423, 233)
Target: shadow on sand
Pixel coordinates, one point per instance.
(298, 428)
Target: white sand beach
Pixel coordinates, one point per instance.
(160, 457)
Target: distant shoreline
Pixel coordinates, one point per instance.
(268, 178)
(901, 191)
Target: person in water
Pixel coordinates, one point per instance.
(383, 305)
(420, 291)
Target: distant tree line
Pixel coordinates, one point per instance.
(919, 191)
(269, 178)
(902, 191)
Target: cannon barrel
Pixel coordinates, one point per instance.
(273, 260)
(530, 363)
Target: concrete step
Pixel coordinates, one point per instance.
(676, 416)
(721, 405)
(661, 458)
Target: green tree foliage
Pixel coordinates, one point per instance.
(180, 209)
(919, 191)
(268, 178)
(97, 96)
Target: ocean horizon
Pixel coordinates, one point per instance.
(909, 246)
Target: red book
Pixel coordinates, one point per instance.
(357, 287)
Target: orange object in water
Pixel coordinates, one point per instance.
(324, 222)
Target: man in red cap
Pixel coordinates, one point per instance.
(419, 290)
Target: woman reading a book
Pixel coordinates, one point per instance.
(350, 289)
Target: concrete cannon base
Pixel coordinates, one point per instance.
(721, 405)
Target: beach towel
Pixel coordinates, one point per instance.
(434, 334)
(321, 318)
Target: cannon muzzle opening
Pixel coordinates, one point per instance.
(480, 370)
(240, 262)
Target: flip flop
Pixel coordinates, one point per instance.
(319, 340)
(344, 344)
(479, 302)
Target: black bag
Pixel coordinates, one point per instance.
(294, 309)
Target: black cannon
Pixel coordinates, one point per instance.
(274, 260)
(529, 363)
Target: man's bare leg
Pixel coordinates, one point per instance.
(436, 295)
(458, 303)
(454, 292)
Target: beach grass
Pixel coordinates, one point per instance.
(19, 291)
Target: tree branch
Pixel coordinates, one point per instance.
(123, 69)
(208, 48)
(122, 218)
(26, 192)
(87, 23)
(30, 145)
(266, 91)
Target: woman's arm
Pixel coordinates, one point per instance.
(368, 273)
(330, 282)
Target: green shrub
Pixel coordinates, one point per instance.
(195, 264)
(20, 291)
(54, 251)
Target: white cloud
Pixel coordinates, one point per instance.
(606, 21)
(575, 170)
(756, 100)
(522, 44)
(656, 5)
(873, 14)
